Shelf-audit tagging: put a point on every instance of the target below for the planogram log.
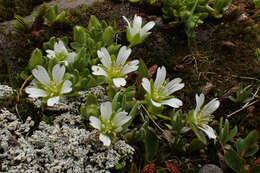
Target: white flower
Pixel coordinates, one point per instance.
(159, 92)
(61, 53)
(202, 116)
(48, 87)
(136, 26)
(109, 123)
(115, 70)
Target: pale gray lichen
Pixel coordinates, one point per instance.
(6, 91)
(61, 147)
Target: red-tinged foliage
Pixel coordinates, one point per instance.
(148, 168)
(152, 70)
(171, 167)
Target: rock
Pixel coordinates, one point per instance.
(61, 147)
(210, 168)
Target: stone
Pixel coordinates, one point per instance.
(210, 168)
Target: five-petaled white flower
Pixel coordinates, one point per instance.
(61, 53)
(50, 88)
(135, 32)
(202, 116)
(109, 123)
(159, 92)
(115, 70)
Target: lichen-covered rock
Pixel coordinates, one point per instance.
(210, 168)
(61, 147)
(6, 91)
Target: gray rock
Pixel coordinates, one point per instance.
(61, 147)
(210, 168)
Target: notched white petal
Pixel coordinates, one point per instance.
(118, 82)
(106, 110)
(147, 27)
(121, 118)
(209, 131)
(160, 77)
(52, 101)
(66, 87)
(174, 102)
(41, 75)
(98, 71)
(156, 103)
(95, 122)
(58, 72)
(105, 139)
(35, 92)
(123, 55)
(60, 47)
(146, 85)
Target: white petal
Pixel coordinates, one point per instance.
(127, 21)
(106, 110)
(98, 71)
(35, 92)
(174, 102)
(209, 108)
(156, 103)
(199, 102)
(50, 54)
(60, 48)
(172, 86)
(66, 87)
(105, 139)
(118, 82)
(130, 67)
(95, 122)
(121, 118)
(58, 72)
(208, 130)
(104, 57)
(133, 31)
(160, 77)
(146, 28)
(41, 75)
(52, 101)
(71, 57)
(137, 23)
(146, 85)
(122, 56)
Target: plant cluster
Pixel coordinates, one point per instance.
(10, 8)
(192, 13)
(93, 58)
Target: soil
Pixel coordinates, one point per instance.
(221, 58)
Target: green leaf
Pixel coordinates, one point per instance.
(108, 35)
(199, 134)
(233, 160)
(115, 100)
(255, 169)
(250, 140)
(151, 145)
(142, 70)
(196, 145)
(93, 23)
(91, 99)
(36, 59)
